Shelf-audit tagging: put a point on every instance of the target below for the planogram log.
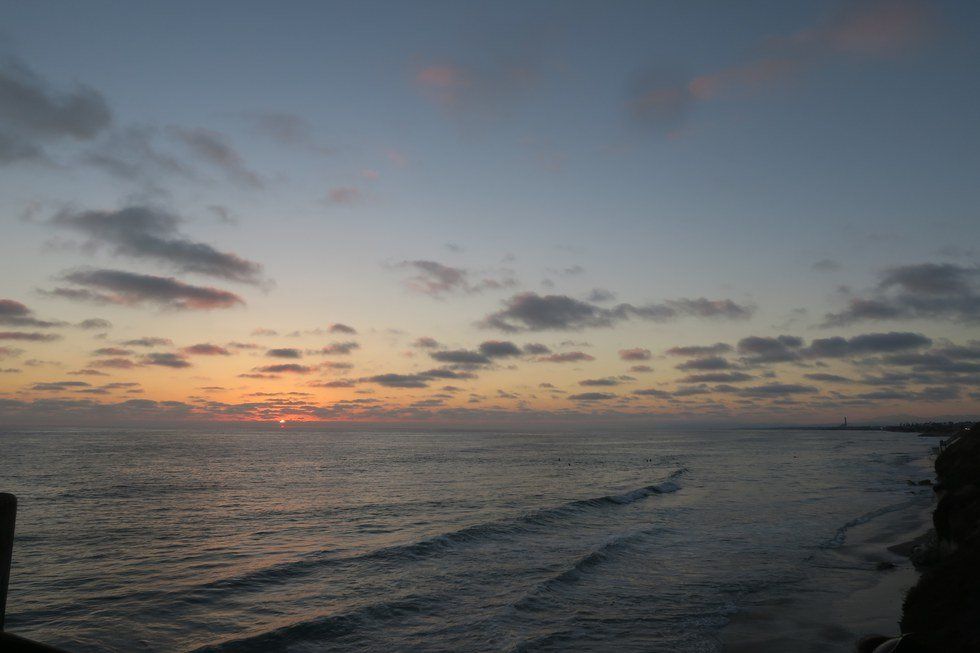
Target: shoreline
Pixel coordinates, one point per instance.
(873, 561)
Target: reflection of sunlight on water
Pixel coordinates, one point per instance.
(366, 540)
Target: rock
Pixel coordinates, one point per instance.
(884, 565)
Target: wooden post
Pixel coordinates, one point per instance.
(8, 514)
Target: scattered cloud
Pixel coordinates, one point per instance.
(144, 232)
(104, 286)
(635, 354)
(213, 148)
(436, 280)
(529, 311)
(284, 352)
(205, 349)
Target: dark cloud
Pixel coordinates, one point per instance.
(113, 364)
(635, 354)
(608, 381)
(600, 295)
(436, 279)
(341, 383)
(284, 352)
(145, 232)
(29, 336)
(112, 351)
(566, 357)
(214, 148)
(14, 313)
(529, 311)
(288, 368)
(499, 349)
(933, 291)
(165, 359)
(593, 396)
(31, 114)
(398, 380)
(338, 348)
(869, 343)
(700, 350)
(777, 390)
(148, 342)
(536, 349)
(827, 378)
(706, 364)
(757, 349)
(94, 323)
(337, 327)
(129, 289)
(60, 385)
(460, 356)
(205, 349)
(717, 377)
(426, 342)
(653, 392)
(641, 368)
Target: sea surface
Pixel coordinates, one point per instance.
(303, 540)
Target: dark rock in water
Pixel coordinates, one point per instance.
(884, 565)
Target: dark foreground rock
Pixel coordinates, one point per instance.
(943, 609)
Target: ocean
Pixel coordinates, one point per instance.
(307, 540)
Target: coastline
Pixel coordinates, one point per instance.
(862, 593)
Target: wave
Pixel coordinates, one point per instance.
(841, 536)
(439, 543)
(326, 627)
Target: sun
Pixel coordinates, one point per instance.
(282, 423)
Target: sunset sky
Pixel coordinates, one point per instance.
(472, 213)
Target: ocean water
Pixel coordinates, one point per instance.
(303, 540)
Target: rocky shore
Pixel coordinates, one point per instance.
(941, 612)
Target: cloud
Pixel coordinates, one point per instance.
(205, 349)
(635, 354)
(777, 390)
(344, 195)
(936, 291)
(426, 342)
(700, 350)
(337, 327)
(213, 147)
(717, 377)
(529, 311)
(460, 356)
(435, 279)
(285, 368)
(145, 232)
(289, 130)
(398, 380)
(13, 313)
(148, 342)
(499, 349)
(104, 286)
(32, 336)
(593, 396)
(823, 377)
(113, 364)
(94, 323)
(112, 351)
(284, 352)
(10, 352)
(826, 265)
(536, 349)
(865, 30)
(165, 359)
(758, 349)
(566, 357)
(641, 368)
(608, 381)
(32, 114)
(706, 364)
(339, 348)
(869, 343)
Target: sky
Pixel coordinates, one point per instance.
(461, 213)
